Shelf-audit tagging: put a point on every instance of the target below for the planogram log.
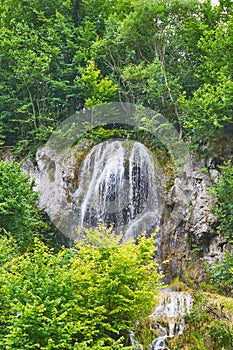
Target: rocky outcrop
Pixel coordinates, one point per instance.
(187, 225)
(56, 180)
(193, 237)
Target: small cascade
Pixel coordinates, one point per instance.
(134, 342)
(168, 317)
(167, 320)
(117, 185)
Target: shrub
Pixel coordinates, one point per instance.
(19, 213)
(85, 297)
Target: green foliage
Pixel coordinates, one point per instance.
(19, 214)
(221, 332)
(207, 110)
(208, 326)
(37, 79)
(145, 84)
(104, 133)
(145, 333)
(209, 106)
(142, 51)
(220, 273)
(223, 208)
(196, 317)
(97, 89)
(59, 57)
(86, 297)
(8, 248)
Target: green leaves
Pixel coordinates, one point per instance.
(207, 110)
(209, 106)
(86, 297)
(36, 48)
(223, 208)
(19, 214)
(60, 56)
(220, 273)
(97, 89)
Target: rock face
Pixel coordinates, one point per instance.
(113, 182)
(194, 238)
(56, 181)
(187, 226)
(194, 235)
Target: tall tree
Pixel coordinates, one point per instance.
(37, 75)
(210, 106)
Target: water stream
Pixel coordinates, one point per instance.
(168, 317)
(117, 185)
(167, 320)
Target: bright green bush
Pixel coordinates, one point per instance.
(8, 249)
(85, 297)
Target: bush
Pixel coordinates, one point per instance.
(220, 273)
(85, 297)
(223, 208)
(19, 213)
(221, 332)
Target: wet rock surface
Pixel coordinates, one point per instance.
(187, 226)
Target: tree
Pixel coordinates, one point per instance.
(19, 213)
(97, 88)
(209, 107)
(85, 297)
(37, 71)
(150, 53)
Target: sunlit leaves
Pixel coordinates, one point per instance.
(97, 88)
(85, 297)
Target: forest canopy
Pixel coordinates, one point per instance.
(58, 57)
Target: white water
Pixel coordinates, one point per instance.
(171, 311)
(167, 319)
(117, 185)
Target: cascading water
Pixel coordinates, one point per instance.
(117, 185)
(170, 313)
(167, 320)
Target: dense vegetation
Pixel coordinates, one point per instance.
(221, 272)
(209, 325)
(84, 297)
(57, 57)
(19, 213)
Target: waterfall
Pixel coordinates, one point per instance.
(170, 312)
(117, 185)
(167, 320)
